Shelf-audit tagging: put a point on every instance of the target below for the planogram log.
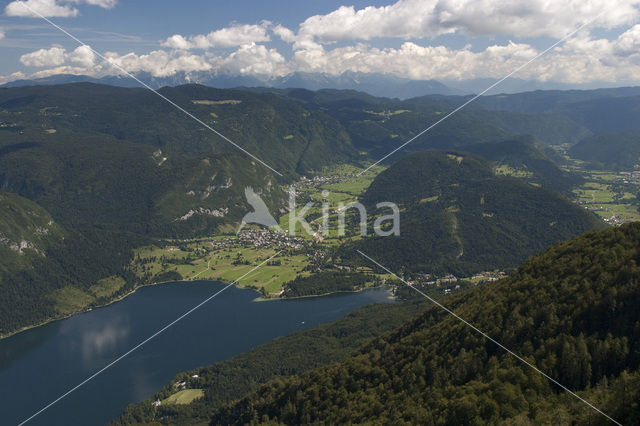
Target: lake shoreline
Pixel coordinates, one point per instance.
(134, 290)
(89, 309)
(40, 364)
(262, 299)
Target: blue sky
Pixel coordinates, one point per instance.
(418, 39)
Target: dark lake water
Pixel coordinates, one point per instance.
(39, 365)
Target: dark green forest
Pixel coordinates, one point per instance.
(226, 381)
(115, 168)
(610, 151)
(90, 172)
(326, 282)
(527, 154)
(461, 218)
(572, 311)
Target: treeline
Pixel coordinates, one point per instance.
(610, 151)
(459, 218)
(228, 380)
(526, 153)
(572, 311)
(326, 282)
(80, 260)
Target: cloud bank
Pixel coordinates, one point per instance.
(346, 39)
(52, 8)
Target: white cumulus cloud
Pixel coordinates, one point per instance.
(44, 57)
(429, 18)
(56, 56)
(158, 63)
(233, 36)
(52, 8)
(19, 75)
(343, 41)
(254, 59)
(82, 56)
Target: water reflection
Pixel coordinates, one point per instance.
(47, 361)
(94, 340)
(95, 343)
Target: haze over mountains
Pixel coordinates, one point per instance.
(376, 84)
(89, 173)
(383, 85)
(456, 184)
(121, 164)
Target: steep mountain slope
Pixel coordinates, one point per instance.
(376, 84)
(27, 231)
(615, 150)
(39, 261)
(551, 100)
(119, 157)
(523, 157)
(377, 125)
(607, 114)
(602, 110)
(551, 127)
(460, 217)
(115, 166)
(572, 311)
(229, 380)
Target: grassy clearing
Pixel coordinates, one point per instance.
(507, 170)
(107, 287)
(202, 259)
(185, 396)
(220, 102)
(429, 199)
(199, 261)
(69, 299)
(608, 194)
(387, 113)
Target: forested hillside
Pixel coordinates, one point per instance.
(226, 381)
(460, 217)
(572, 311)
(524, 158)
(40, 261)
(611, 151)
(115, 167)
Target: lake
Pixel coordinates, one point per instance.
(39, 365)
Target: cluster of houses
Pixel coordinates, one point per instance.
(431, 279)
(489, 276)
(614, 220)
(319, 180)
(265, 238)
(629, 177)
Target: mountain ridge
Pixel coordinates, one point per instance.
(376, 84)
(571, 311)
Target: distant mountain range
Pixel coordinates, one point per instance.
(376, 84)
(113, 167)
(383, 85)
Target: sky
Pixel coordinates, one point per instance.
(446, 40)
